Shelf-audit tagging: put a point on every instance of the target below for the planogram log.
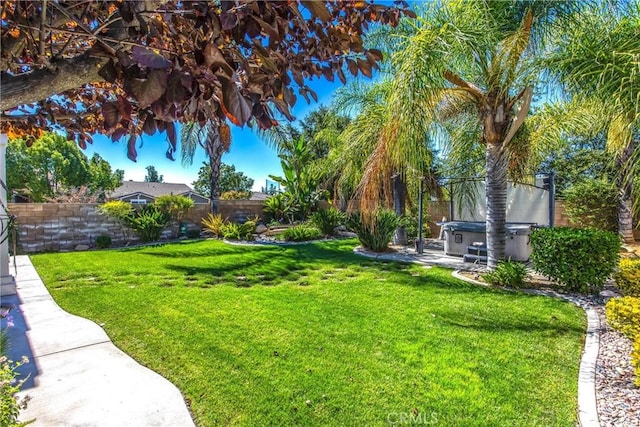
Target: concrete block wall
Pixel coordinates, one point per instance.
(62, 226)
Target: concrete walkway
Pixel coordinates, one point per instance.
(77, 376)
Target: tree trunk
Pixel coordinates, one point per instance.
(215, 149)
(625, 183)
(399, 206)
(496, 193)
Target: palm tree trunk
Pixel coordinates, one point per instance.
(399, 205)
(496, 193)
(625, 216)
(215, 149)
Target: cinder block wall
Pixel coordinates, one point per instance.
(63, 226)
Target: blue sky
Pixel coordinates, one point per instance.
(248, 153)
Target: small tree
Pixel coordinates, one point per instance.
(176, 206)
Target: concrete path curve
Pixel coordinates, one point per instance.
(77, 376)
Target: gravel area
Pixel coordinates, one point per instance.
(618, 398)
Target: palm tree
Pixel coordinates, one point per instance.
(476, 59)
(374, 160)
(215, 137)
(598, 60)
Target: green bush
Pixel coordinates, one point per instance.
(149, 222)
(628, 277)
(301, 233)
(593, 204)
(412, 224)
(10, 405)
(248, 229)
(233, 231)
(230, 231)
(580, 259)
(623, 314)
(280, 207)
(175, 205)
(326, 220)
(375, 232)
(103, 242)
(116, 209)
(507, 273)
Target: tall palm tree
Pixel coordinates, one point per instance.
(476, 58)
(598, 59)
(215, 137)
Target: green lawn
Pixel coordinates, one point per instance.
(315, 335)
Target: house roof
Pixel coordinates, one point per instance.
(153, 189)
(259, 196)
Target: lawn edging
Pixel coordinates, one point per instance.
(587, 406)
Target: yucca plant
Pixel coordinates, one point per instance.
(149, 222)
(326, 220)
(213, 224)
(376, 232)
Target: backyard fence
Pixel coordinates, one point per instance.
(66, 226)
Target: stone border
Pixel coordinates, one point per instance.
(587, 404)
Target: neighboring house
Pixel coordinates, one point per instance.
(259, 196)
(142, 193)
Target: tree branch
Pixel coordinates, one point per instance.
(63, 75)
(472, 89)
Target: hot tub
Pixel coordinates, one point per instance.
(459, 235)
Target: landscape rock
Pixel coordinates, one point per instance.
(82, 248)
(261, 228)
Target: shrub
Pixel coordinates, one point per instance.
(580, 259)
(248, 229)
(593, 204)
(301, 233)
(233, 231)
(10, 405)
(376, 232)
(623, 314)
(628, 277)
(235, 195)
(412, 225)
(175, 205)
(103, 242)
(116, 209)
(326, 220)
(149, 222)
(507, 273)
(230, 231)
(280, 207)
(213, 224)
